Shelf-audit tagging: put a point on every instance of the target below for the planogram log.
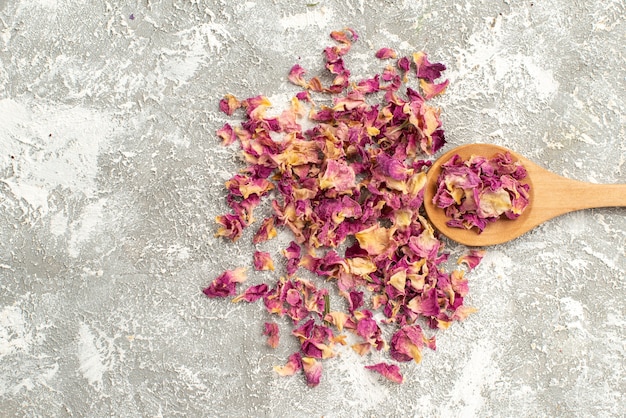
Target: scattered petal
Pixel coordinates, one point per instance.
(426, 70)
(389, 371)
(472, 258)
(266, 231)
(294, 363)
(312, 371)
(225, 284)
(296, 76)
(337, 318)
(407, 343)
(227, 134)
(376, 239)
(338, 176)
(263, 261)
(386, 53)
(253, 293)
(272, 332)
(229, 104)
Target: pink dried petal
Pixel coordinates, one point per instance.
(398, 281)
(433, 89)
(355, 300)
(425, 244)
(294, 363)
(315, 84)
(346, 36)
(316, 350)
(244, 207)
(253, 293)
(349, 102)
(337, 318)
(297, 152)
(296, 75)
(376, 239)
(367, 328)
(287, 122)
(472, 258)
(340, 81)
(463, 312)
(231, 226)
(407, 343)
(312, 371)
(303, 96)
(392, 168)
(272, 332)
(256, 106)
(426, 304)
(292, 254)
(338, 176)
(404, 64)
(386, 53)
(229, 104)
(459, 283)
(245, 186)
(227, 134)
(263, 261)
(361, 266)
(293, 297)
(425, 69)
(389, 371)
(371, 85)
(362, 348)
(225, 284)
(266, 231)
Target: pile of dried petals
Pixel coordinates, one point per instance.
(480, 190)
(350, 189)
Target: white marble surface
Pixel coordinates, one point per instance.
(111, 176)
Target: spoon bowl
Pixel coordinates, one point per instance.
(551, 195)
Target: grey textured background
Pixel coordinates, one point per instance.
(111, 176)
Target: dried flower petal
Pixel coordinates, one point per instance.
(472, 258)
(272, 332)
(229, 104)
(407, 343)
(266, 231)
(337, 318)
(389, 371)
(312, 371)
(338, 176)
(252, 294)
(362, 348)
(296, 76)
(426, 70)
(231, 226)
(294, 363)
(245, 186)
(227, 134)
(433, 89)
(263, 261)
(376, 239)
(225, 284)
(386, 53)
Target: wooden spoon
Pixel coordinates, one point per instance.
(550, 195)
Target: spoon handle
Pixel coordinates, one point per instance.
(559, 195)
